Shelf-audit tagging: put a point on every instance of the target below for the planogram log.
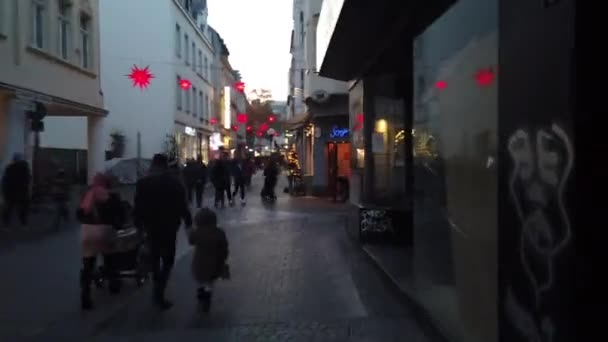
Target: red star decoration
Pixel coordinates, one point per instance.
(140, 77)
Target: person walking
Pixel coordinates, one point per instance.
(200, 181)
(190, 176)
(220, 176)
(16, 190)
(239, 175)
(210, 255)
(160, 206)
(271, 176)
(97, 213)
(61, 196)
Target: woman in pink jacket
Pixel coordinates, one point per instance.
(97, 214)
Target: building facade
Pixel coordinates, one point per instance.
(230, 99)
(171, 113)
(468, 118)
(49, 53)
(323, 135)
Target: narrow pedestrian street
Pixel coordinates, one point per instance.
(295, 277)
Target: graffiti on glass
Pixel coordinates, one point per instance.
(542, 164)
(376, 221)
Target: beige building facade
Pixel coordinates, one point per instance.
(49, 53)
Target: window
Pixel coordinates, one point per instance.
(302, 27)
(201, 111)
(85, 40)
(207, 108)
(193, 56)
(187, 101)
(199, 62)
(194, 103)
(187, 47)
(38, 23)
(3, 17)
(178, 41)
(178, 94)
(206, 68)
(65, 28)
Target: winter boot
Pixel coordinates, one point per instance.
(86, 303)
(204, 297)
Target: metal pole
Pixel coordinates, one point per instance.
(138, 159)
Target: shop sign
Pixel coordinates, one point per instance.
(216, 141)
(337, 132)
(190, 131)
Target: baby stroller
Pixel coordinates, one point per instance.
(125, 257)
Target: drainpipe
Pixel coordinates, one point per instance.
(17, 30)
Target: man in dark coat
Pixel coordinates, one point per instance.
(220, 176)
(200, 180)
(16, 189)
(239, 174)
(190, 175)
(160, 207)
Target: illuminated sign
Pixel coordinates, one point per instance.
(190, 131)
(338, 132)
(227, 111)
(216, 141)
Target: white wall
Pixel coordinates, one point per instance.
(62, 132)
(197, 74)
(138, 32)
(313, 81)
(42, 70)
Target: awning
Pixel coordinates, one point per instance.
(297, 121)
(353, 34)
(56, 106)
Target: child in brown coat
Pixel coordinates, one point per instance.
(210, 254)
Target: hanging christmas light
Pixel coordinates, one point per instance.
(213, 121)
(264, 127)
(240, 86)
(185, 84)
(249, 128)
(140, 77)
(235, 127)
(241, 118)
(485, 77)
(271, 118)
(260, 134)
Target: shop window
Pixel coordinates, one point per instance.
(388, 148)
(455, 192)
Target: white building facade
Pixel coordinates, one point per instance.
(319, 106)
(49, 53)
(166, 37)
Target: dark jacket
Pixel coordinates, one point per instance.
(16, 181)
(239, 171)
(220, 173)
(160, 204)
(272, 170)
(210, 253)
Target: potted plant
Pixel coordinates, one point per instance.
(118, 144)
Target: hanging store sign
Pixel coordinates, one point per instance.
(215, 141)
(337, 132)
(190, 131)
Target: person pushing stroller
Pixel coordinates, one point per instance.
(271, 175)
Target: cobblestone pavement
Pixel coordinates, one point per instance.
(295, 277)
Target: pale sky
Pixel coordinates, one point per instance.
(257, 34)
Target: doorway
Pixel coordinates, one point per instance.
(338, 169)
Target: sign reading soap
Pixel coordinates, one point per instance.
(337, 132)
